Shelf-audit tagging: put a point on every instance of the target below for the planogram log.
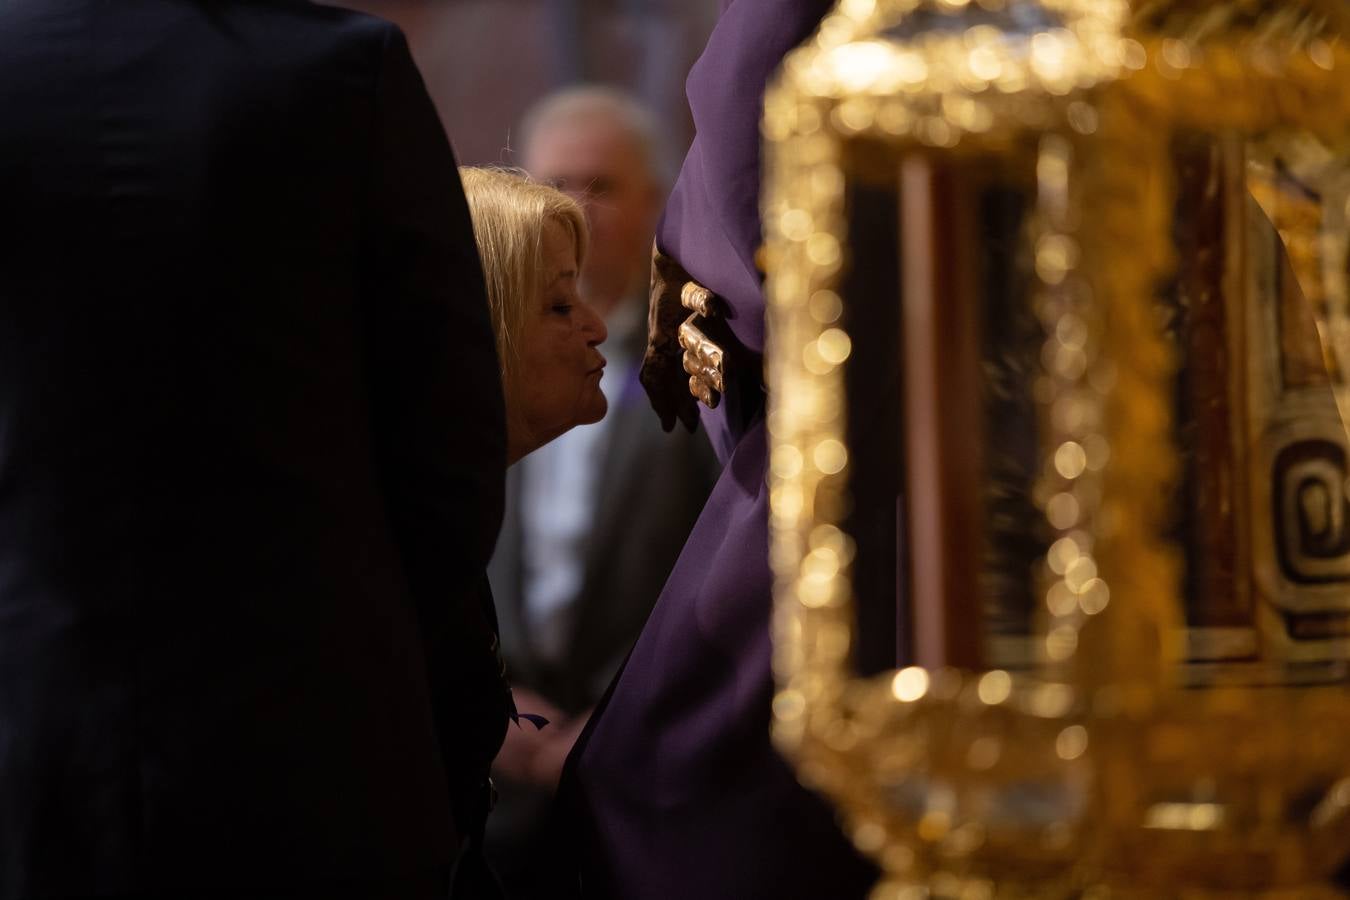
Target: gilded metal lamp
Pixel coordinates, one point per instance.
(1058, 349)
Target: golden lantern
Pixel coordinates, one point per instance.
(1058, 334)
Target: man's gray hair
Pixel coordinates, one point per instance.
(610, 104)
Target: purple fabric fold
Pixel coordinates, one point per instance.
(674, 791)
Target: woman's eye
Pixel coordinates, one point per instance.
(562, 309)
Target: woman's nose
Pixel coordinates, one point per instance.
(593, 326)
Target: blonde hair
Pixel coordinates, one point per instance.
(509, 214)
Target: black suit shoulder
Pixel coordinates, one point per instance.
(238, 293)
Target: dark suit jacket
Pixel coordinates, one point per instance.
(650, 490)
(243, 505)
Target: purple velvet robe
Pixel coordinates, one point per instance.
(674, 791)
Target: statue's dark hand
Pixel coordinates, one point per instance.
(663, 375)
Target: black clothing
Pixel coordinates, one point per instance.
(244, 506)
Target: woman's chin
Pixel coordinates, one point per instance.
(596, 409)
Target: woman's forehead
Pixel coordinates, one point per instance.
(560, 257)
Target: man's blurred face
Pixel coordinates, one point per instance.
(597, 163)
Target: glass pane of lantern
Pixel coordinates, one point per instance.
(942, 425)
(1257, 310)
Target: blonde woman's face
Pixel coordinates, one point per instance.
(560, 367)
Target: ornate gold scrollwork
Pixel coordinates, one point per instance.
(1180, 360)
